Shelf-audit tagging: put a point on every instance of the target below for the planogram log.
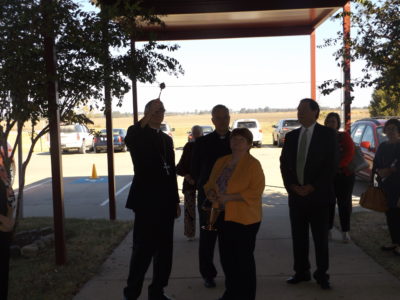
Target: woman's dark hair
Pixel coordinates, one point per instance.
(333, 115)
(394, 122)
(244, 132)
(313, 105)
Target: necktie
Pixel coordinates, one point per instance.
(301, 157)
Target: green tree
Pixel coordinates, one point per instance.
(80, 72)
(375, 39)
(384, 104)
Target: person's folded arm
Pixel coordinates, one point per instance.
(256, 186)
(289, 176)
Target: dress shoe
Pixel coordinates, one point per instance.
(323, 281)
(396, 251)
(324, 284)
(209, 283)
(390, 247)
(345, 237)
(298, 278)
(161, 297)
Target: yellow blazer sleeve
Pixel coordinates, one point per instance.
(255, 189)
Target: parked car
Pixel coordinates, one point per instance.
(368, 135)
(76, 137)
(254, 126)
(206, 130)
(167, 129)
(13, 168)
(100, 140)
(281, 129)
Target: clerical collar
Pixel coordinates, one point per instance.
(156, 129)
(222, 137)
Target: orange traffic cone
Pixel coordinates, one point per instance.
(94, 172)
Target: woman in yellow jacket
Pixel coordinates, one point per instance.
(237, 183)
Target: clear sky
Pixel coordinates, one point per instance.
(249, 73)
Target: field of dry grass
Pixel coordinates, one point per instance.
(183, 123)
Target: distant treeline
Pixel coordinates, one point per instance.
(117, 114)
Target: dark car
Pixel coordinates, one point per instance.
(100, 140)
(368, 135)
(206, 130)
(281, 129)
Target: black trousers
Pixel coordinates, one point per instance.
(4, 263)
(303, 217)
(393, 222)
(152, 240)
(343, 192)
(236, 246)
(207, 241)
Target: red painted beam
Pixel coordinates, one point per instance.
(313, 71)
(346, 67)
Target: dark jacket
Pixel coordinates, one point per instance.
(152, 188)
(320, 168)
(388, 155)
(206, 151)
(183, 167)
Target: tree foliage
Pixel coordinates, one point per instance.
(80, 54)
(384, 104)
(375, 39)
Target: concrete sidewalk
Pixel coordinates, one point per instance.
(354, 275)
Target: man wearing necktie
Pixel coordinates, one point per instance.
(309, 160)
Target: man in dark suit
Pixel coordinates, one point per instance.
(309, 162)
(207, 150)
(154, 199)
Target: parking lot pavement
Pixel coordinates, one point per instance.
(354, 275)
(83, 198)
(86, 198)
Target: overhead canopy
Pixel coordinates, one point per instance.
(210, 19)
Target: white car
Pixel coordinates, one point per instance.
(76, 137)
(167, 129)
(254, 126)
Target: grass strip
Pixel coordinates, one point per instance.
(88, 243)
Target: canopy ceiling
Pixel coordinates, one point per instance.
(209, 19)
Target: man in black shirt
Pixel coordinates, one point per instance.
(154, 199)
(206, 151)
